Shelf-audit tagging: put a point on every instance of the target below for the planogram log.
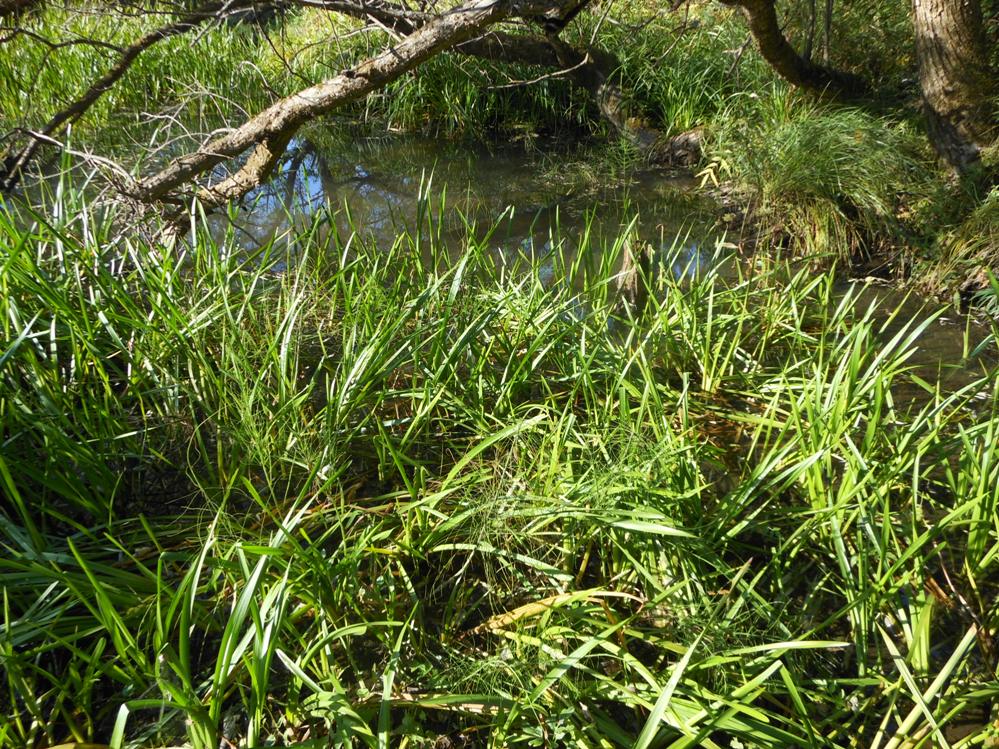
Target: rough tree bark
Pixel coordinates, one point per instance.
(761, 15)
(955, 79)
(279, 122)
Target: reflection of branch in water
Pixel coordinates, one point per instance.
(331, 184)
(298, 156)
(376, 190)
(239, 227)
(322, 166)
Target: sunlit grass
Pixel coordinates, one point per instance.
(331, 493)
(186, 77)
(192, 77)
(829, 180)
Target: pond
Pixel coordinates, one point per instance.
(527, 197)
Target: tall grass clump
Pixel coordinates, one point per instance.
(967, 252)
(189, 76)
(331, 494)
(677, 68)
(827, 181)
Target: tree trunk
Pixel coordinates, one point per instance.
(777, 50)
(955, 79)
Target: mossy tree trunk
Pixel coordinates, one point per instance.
(955, 79)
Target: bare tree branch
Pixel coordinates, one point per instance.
(12, 32)
(13, 166)
(395, 16)
(281, 120)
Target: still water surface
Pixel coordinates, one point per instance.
(525, 200)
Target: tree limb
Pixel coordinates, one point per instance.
(11, 32)
(776, 50)
(283, 118)
(13, 166)
(396, 17)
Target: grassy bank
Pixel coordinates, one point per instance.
(855, 182)
(454, 95)
(344, 495)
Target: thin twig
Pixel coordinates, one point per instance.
(556, 74)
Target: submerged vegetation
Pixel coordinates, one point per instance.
(335, 494)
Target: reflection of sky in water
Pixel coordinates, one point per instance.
(374, 189)
(688, 262)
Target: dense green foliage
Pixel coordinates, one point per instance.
(828, 180)
(327, 491)
(821, 178)
(426, 493)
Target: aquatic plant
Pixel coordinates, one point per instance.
(328, 493)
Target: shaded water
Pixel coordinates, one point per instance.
(524, 199)
(527, 200)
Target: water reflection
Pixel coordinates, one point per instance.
(953, 351)
(529, 209)
(527, 206)
(380, 187)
